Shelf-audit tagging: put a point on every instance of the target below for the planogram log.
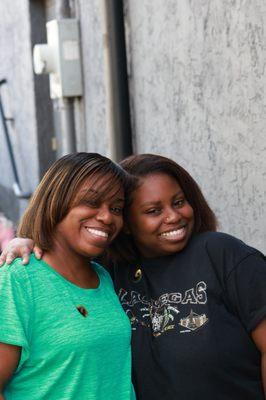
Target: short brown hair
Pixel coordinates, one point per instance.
(142, 165)
(56, 193)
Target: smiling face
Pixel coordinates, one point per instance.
(159, 218)
(92, 223)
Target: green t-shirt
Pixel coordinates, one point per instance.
(64, 354)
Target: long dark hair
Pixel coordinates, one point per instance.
(142, 165)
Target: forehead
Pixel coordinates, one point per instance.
(157, 185)
(105, 187)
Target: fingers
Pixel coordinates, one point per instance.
(17, 247)
(25, 255)
(37, 252)
(2, 258)
(10, 256)
(7, 257)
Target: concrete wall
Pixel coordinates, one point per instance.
(90, 15)
(18, 100)
(197, 79)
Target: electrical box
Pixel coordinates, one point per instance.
(60, 58)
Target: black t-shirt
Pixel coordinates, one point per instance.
(192, 314)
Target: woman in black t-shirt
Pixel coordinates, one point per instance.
(196, 298)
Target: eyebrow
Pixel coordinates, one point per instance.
(150, 203)
(157, 202)
(119, 200)
(87, 191)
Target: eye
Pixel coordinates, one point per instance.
(179, 202)
(90, 203)
(117, 210)
(153, 211)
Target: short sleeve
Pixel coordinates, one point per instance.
(15, 310)
(246, 290)
(104, 273)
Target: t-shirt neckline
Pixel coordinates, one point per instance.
(71, 284)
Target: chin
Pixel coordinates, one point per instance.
(92, 253)
(176, 248)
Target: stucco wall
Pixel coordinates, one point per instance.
(197, 79)
(18, 99)
(90, 15)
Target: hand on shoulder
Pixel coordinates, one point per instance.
(19, 247)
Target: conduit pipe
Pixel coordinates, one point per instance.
(64, 107)
(116, 83)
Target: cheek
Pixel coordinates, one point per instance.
(119, 223)
(134, 226)
(189, 213)
(147, 226)
(140, 224)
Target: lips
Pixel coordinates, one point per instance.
(174, 234)
(98, 233)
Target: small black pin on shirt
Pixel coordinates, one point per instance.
(82, 310)
(138, 275)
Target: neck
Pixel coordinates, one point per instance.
(73, 267)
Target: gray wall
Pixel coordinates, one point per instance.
(18, 99)
(197, 76)
(197, 79)
(90, 15)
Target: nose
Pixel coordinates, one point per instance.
(172, 216)
(104, 215)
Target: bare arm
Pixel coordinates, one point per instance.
(259, 337)
(19, 247)
(9, 359)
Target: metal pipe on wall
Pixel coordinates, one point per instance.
(64, 107)
(62, 9)
(118, 110)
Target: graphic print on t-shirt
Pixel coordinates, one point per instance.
(165, 313)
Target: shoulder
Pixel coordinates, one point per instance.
(225, 250)
(15, 285)
(101, 271)
(18, 272)
(219, 241)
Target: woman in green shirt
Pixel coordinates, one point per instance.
(63, 332)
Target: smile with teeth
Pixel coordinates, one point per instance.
(97, 232)
(174, 233)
